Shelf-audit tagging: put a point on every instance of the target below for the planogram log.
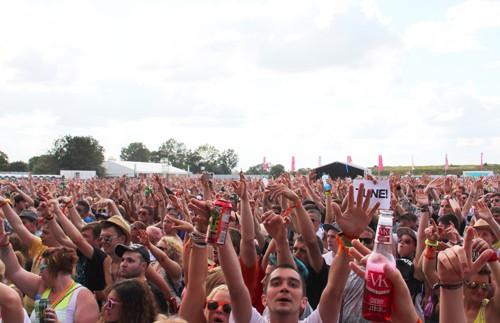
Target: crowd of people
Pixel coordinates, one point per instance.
(135, 249)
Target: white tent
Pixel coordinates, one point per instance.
(116, 168)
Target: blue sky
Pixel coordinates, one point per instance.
(265, 78)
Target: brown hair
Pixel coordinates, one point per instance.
(61, 259)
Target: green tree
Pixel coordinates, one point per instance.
(43, 164)
(18, 166)
(173, 152)
(78, 153)
(193, 162)
(228, 160)
(4, 161)
(135, 151)
(257, 170)
(276, 170)
(209, 157)
(303, 171)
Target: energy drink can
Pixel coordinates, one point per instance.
(219, 223)
(42, 305)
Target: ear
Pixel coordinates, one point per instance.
(264, 300)
(303, 302)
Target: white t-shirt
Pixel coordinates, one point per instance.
(257, 318)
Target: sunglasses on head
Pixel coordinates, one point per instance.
(111, 303)
(365, 240)
(474, 285)
(407, 240)
(214, 305)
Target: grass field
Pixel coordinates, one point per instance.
(435, 170)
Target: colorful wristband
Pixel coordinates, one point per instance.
(494, 257)
(431, 244)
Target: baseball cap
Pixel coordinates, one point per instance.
(120, 250)
(29, 214)
(408, 231)
(327, 227)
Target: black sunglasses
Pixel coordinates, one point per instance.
(474, 285)
(407, 241)
(214, 305)
(365, 240)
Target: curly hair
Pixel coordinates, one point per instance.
(138, 301)
(174, 249)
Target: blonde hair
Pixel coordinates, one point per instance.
(174, 248)
(169, 319)
(215, 278)
(2, 271)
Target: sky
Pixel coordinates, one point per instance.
(318, 80)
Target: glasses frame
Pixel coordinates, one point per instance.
(111, 303)
(474, 285)
(406, 241)
(226, 307)
(107, 239)
(42, 267)
(364, 240)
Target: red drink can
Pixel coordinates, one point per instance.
(219, 223)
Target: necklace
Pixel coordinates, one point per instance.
(62, 295)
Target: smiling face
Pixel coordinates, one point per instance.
(473, 291)
(284, 295)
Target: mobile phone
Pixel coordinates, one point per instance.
(208, 176)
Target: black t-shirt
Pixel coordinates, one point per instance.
(316, 283)
(90, 272)
(407, 269)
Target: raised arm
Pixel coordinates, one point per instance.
(455, 266)
(353, 222)
(483, 212)
(16, 223)
(305, 225)
(172, 268)
(27, 282)
(14, 187)
(276, 226)
(247, 244)
(11, 307)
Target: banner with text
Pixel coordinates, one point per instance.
(381, 192)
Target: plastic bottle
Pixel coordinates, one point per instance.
(378, 294)
(326, 186)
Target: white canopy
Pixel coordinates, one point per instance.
(116, 168)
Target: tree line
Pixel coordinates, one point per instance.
(86, 153)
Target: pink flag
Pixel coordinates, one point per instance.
(349, 159)
(482, 165)
(293, 163)
(446, 161)
(264, 164)
(380, 163)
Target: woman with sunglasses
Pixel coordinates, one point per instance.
(196, 306)
(69, 301)
(129, 301)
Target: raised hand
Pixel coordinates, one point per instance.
(421, 197)
(482, 211)
(357, 216)
(435, 183)
(202, 211)
(241, 187)
(433, 232)
(455, 264)
(143, 238)
(275, 225)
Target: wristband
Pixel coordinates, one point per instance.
(447, 286)
(328, 193)
(431, 244)
(493, 258)
(290, 208)
(4, 203)
(5, 245)
(48, 218)
(427, 254)
(424, 208)
(341, 243)
(342, 234)
(70, 206)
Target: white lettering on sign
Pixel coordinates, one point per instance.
(381, 192)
